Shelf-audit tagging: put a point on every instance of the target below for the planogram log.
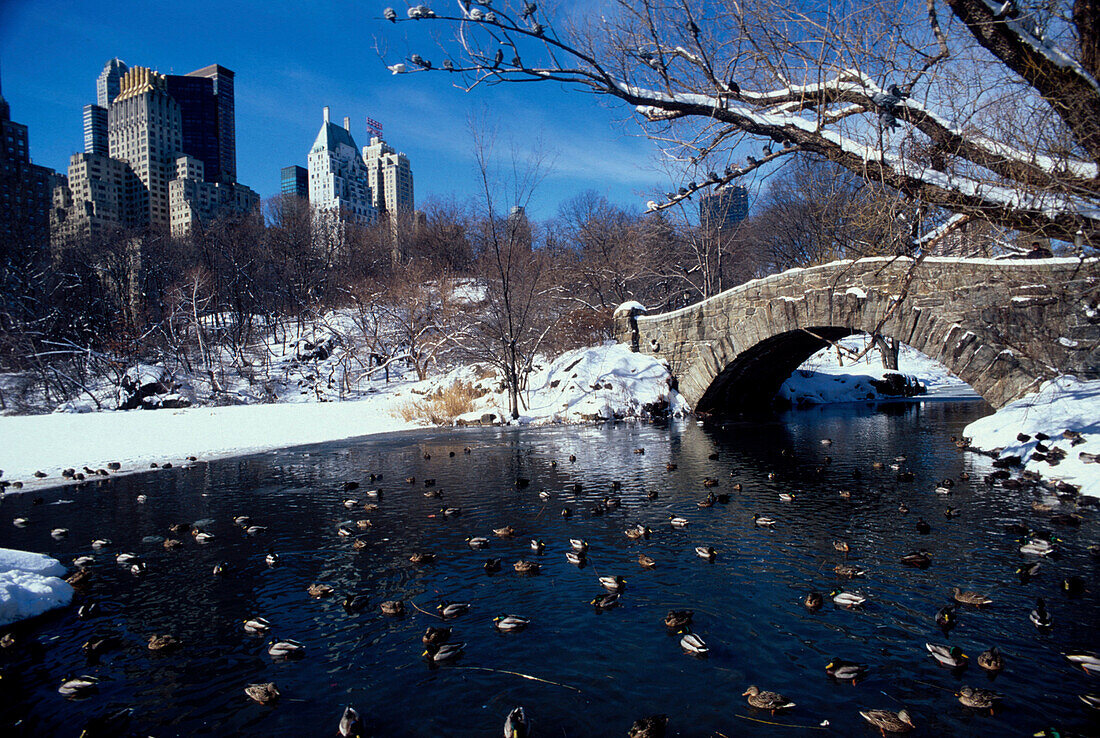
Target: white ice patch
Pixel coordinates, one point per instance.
(30, 585)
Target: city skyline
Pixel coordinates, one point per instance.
(590, 146)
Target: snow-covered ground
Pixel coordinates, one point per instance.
(30, 585)
(825, 378)
(1061, 404)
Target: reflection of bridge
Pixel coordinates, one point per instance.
(1001, 326)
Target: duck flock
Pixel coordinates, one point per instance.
(361, 501)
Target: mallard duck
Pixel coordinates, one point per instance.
(163, 643)
(434, 494)
(445, 652)
(693, 644)
(846, 670)
(1073, 586)
(706, 552)
(848, 570)
(772, 701)
(450, 512)
(613, 583)
(100, 543)
(947, 618)
(319, 590)
(979, 699)
(646, 562)
(516, 725)
(923, 527)
(951, 657)
(59, 533)
(492, 565)
(578, 544)
(1088, 661)
(847, 600)
(78, 686)
(1027, 571)
(637, 532)
(762, 521)
(537, 545)
(842, 546)
(991, 660)
(272, 558)
(79, 578)
(422, 557)
(358, 544)
(264, 693)
(95, 647)
(707, 501)
(242, 520)
(605, 601)
(139, 568)
(126, 558)
(544, 495)
(285, 649)
(172, 543)
(257, 626)
(889, 722)
(350, 503)
(351, 726)
(814, 601)
(510, 622)
(919, 559)
(203, 537)
(970, 598)
(1091, 700)
(435, 636)
(477, 542)
(786, 497)
(392, 607)
(526, 567)
(370, 507)
(355, 603)
(678, 619)
(1040, 617)
(1037, 547)
(575, 557)
(221, 568)
(652, 494)
(505, 532)
(903, 509)
(448, 610)
(652, 726)
(677, 522)
(89, 610)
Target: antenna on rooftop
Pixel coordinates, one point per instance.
(374, 128)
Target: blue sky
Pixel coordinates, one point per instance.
(291, 59)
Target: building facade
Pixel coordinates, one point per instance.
(339, 181)
(723, 208)
(95, 130)
(222, 81)
(96, 199)
(294, 180)
(390, 177)
(108, 83)
(24, 187)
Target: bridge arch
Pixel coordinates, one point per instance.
(1001, 326)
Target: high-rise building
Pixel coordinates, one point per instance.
(24, 187)
(390, 176)
(338, 178)
(294, 180)
(198, 120)
(222, 80)
(107, 86)
(97, 198)
(95, 130)
(193, 199)
(724, 208)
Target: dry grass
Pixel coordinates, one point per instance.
(444, 405)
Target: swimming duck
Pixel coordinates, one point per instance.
(505, 532)
(762, 521)
(446, 652)
(544, 495)
(101, 543)
(435, 636)
(126, 558)
(951, 657)
(256, 530)
(1040, 617)
(706, 552)
(889, 722)
(1091, 700)
(814, 600)
(637, 532)
(242, 520)
(842, 546)
(351, 726)
(786, 497)
(679, 619)
(89, 610)
(350, 503)
(605, 601)
(613, 583)
(537, 545)
(693, 644)
(257, 626)
(139, 568)
(991, 660)
(526, 567)
(422, 557)
(97, 646)
(1037, 547)
(59, 532)
(848, 570)
(920, 559)
(285, 649)
(970, 598)
(578, 544)
(82, 562)
(492, 565)
(78, 686)
(923, 527)
(395, 608)
(272, 558)
(652, 726)
(221, 568)
(516, 725)
(710, 482)
(319, 590)
(450, 512)
(1073, 585)
(772, 701)
(947, 618)
(979, 699)
(79, 577)
(652, 494)
(355, 603)
(477, 542)
(434, 494)
(358, 544)
(203, 537)
(677, 522)
(450, 610)
(846, 670)
(1087, 661)
(264, 693)
(646, 562)
(847, 600)
(903, 509)
(163, 643)
(575, 557)
(510, 622)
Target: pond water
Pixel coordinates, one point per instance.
(602, 670)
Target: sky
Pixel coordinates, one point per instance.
(293, 58)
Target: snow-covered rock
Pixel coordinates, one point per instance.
(149, 386)
(315, 346)
(1064, 403)
(30, 584)
(629, 308)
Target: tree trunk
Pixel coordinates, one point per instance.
(889, 349)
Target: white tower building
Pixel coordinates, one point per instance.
(390, 177)
(338, 178)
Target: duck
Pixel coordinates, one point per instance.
(849, 571)
(139, 568)
(1037, 547)
(537, 545)
(436, 636)
(257, 626)
(505, 532)
(842, 546)
(706, 552)
(272, 558)
(450, 512)
(477, 542)
(265, 693)
(920, 559)
(445, 652)
(545, 495)
(677, 522)
(844, 671)
(358, 544)
(979, 699)
(707, 501)
(492, 565)
(221, 568)
(693, 644)
(613, 583)
(526, 567)
(847, 600)
(59, 533)
(889, 722)
(99, 543)
(285, 649)
(710, 482)
(89, 610)
(947, 617)
(970, 598)
(516, 725)
(422, 557)
(578, 544)
(679, 619)
(448, 610)
(923, 527)
(95, 647)
(991, 660)
(1073, 585)
(203, 537)
(646, 562)
(1090, 662)
(395, 608)
(951, 657)
(319, 590)
(605, 601)
(651, 726)
(507, 623)
(171, 543)
(652, 494)
(786, 497)
(762, 521)
(355, 603)
(1091, 700)
(242, 520)
(813, 601)
(434, 494)
(764, 700)
(83, 562)
(350, 503)
(163, 643)
(126, 558)
(575, 557)
(1040, 616)
(637, 532)
(351, 726)
(78, 686)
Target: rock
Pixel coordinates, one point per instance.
(151, 386)
(898, 385)
(315, 346)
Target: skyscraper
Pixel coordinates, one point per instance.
(107, 86)
(95, 130)
(222, 80)
(390, 177)
(294, 180)
(724, 208)
(24, 187)
(199, 130)
(338, 178)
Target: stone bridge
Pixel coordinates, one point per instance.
(1003, 326)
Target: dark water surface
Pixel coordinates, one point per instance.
(621, 664)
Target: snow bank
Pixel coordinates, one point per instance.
(1064, 403)
(30, 585)
(822, 379)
